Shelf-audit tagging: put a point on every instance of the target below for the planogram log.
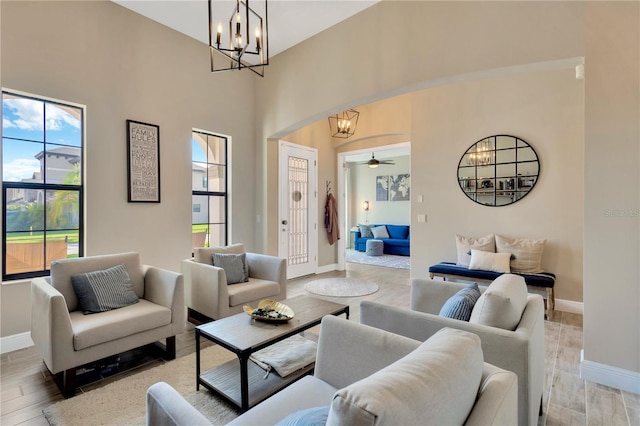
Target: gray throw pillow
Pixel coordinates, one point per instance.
(460, 305)
(104, 290)
(316, 416)
(365, 231)
(233, 265)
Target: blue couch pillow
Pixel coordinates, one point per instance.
(399, 232)
(460, 305)
(316, 416)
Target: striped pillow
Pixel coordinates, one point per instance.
(460, 305)
(104, 290)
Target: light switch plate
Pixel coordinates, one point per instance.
(422, 218)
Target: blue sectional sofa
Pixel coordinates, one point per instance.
(398, 243)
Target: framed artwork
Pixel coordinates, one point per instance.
(382, 188)
(143, 162)
(400, 187)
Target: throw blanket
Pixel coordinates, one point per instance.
(286, 356)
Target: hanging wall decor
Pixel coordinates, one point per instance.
(143, 162)
(382, 188)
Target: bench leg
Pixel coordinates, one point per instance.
(551, 301)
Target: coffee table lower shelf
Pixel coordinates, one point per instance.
(224, 381)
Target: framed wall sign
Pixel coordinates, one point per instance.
(143, 162)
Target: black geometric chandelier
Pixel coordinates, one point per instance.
(240, 38)
(343, 124)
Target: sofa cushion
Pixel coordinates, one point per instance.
(437, 383)
(380, 232)
(526, 254)
(234, 266)
(365, 231)
(91, 330)
(465, 244)
(460, 305)
(400, 232)
(254, 289)
(104, 290)
(316, 416)
(486, 261)
(63, 269)
(502, 303)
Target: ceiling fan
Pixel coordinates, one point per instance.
(373, 163)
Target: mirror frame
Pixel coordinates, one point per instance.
(484, 184)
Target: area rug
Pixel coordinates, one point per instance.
(341, 287)
(124, 402)
(386, 260)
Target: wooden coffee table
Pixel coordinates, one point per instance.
(242, 383)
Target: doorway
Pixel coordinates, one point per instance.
(298, 207)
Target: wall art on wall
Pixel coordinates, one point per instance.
(382, 188)
(400, 187)
(143, 162)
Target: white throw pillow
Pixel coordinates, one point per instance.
(502, 303)
(380, 232)
(526, 254)
(464, 244)
(485, 261)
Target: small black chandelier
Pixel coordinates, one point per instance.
(343, 124)
(233, 47)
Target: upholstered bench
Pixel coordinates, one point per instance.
(547, 280)
(375, 248)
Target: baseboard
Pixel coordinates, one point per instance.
(569, 306)
(327, 268)
(610, 376)
(15, 342)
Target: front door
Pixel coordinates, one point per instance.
(298, 227)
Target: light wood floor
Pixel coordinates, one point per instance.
(27, 388)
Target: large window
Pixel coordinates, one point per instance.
(209, 189)
(42, 191)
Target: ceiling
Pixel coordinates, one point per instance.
(290, 21)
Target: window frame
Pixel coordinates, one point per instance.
(222, 194)
(44, 186)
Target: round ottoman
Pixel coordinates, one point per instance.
(375, 248)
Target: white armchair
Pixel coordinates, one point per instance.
(67, 338)
(208, 296)
(520, 350)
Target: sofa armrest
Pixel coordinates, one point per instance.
(267, 267)
(165, 406)
(166, 288)
(205, 288)
(497, 402)
(51, 329)
(348, 351)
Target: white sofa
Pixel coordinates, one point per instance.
(368, 376)
(520, 350)
(67, 338)
(209, 297)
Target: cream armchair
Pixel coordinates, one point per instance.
(520, 350)
(67, 338)
(207, 295)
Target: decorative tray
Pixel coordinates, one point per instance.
(270, 310)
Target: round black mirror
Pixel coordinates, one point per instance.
(498, 170)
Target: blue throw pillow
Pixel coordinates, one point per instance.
(399, 232)
(316, 416)
(460, 305)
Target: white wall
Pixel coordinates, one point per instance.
(544, 109)
(123, 66)
(363, 187)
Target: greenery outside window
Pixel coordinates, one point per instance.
(42, 184)
(209, 189)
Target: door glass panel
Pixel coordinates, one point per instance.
(298, 211)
